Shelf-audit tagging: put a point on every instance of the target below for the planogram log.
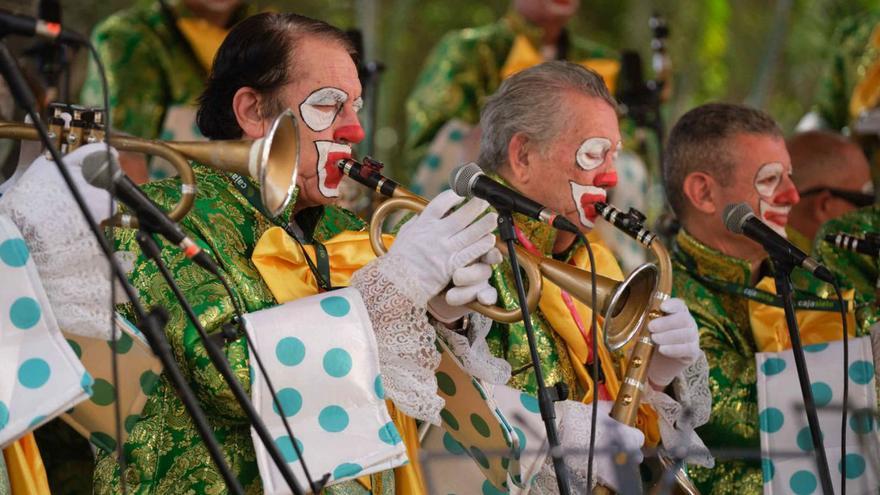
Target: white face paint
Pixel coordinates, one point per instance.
(767, 182)
(328, 175)
(320, 108)
(585, 198)
(592, 152)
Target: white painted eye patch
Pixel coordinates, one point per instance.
(768, 178)
(591, 154)
(321, 107)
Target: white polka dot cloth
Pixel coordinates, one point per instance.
(786, 445)
(321, 354)
(40, 376)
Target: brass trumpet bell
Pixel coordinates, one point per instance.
(624, 305)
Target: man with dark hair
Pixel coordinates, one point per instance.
(720, 154)
(267, 63)
(832, 176)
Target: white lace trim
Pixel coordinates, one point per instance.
(404, 336)
(473, 351)
(72, 267)
(678, 418)
(573, 424)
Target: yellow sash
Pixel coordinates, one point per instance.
(523, 55)
(561, 319)
(204, 38)
(281, 264)
(27, 475)
(771, 333)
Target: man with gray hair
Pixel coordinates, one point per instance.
(551, 132)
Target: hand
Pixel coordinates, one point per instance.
(471, 283)
(677, 340)
(434, 245)
(613, 438)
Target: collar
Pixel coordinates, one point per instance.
(181, 11)
(542, 235)
(708, 262)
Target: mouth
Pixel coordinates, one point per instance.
(329, 175)
(775, 216)
(585, 199)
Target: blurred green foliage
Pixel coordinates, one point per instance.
(720, 49)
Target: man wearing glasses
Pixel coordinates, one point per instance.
(832, 177)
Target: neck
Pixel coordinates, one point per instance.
(564, 240)
(219, 19)
(551, 27)
(804, 226)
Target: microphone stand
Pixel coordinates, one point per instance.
(151, 249)
(151, 324)
(546, 398)
(782, 268)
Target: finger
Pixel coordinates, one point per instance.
(467, 213)
(439, 206)
(487, 296)
(670, 322)
(679, 351)
(471, 274)
(472, 252)
(493, 257)
(676, 336)
(459, 296)
(475, 231)
(673, 305)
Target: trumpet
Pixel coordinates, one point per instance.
(623, 304)
(272, 160)
(626, 404)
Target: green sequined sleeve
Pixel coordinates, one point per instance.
(137, 87)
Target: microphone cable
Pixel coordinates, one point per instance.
(843, 311)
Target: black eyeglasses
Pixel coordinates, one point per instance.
(859, 199)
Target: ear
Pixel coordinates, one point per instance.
(699, 189)
(518, 170)
(823, 207)
(246, 106)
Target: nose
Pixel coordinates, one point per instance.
(607, 179)
(788, 194)
(349, 129)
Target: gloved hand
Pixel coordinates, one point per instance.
(433, 245)
(612, 438)
(470, 283)
(677, 341)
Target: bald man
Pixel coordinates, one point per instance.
(832, 176)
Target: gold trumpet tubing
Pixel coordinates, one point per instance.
(403, 199)
(12, 130)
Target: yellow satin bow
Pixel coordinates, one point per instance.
(280, 262)
(25, 468)
(523, 55)
(771, 332)
(203, 37)
(560, 318)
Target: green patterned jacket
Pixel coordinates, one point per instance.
(463, 70)
(853, 270)
(164, 451)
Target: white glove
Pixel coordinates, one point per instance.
(612, 438)
(470, 283)
(434, 245)
(677, 340)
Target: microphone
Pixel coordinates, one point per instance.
(102, 173)
(468, 180)
(29, 26)
(740, 219)
(870, 245)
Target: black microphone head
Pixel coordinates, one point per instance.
(735, 215)
(461, 179)
(98, 171)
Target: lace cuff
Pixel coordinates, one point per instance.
(678, 418)
(473, 351)
(405, 338)
(573, 425)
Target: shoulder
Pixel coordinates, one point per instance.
(139, 22)
(336, 220)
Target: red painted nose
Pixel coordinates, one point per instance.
(789, 196)
(607, 179)
(350, 133)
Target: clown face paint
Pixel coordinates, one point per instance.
(593, 151)
(329, 176)
(321, 107)
(773, 204)
(585, 199)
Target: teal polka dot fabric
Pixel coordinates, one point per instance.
(786, 442)
(321, 354)
(43, 376)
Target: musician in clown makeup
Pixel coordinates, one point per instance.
(551, 132)
(716, 155)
